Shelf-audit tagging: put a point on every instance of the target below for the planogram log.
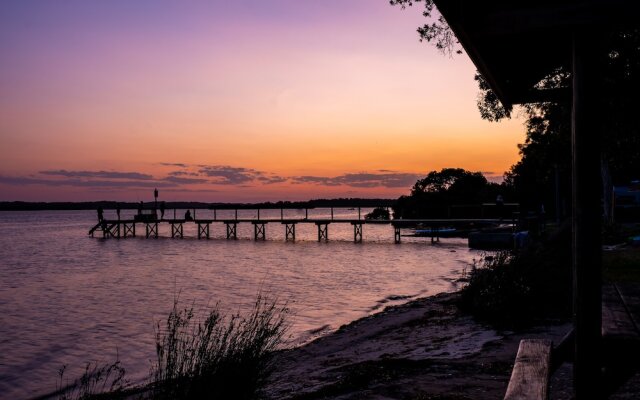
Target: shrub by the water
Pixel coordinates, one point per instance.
(217, 357)
(518, 288)
(380, 213)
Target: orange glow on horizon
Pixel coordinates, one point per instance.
(325, 94)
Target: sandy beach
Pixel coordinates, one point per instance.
(426, 349)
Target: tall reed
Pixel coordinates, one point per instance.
(98, 381)
(217, 356)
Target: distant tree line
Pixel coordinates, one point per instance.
(93, 205)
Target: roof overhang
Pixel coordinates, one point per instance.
(516, 44)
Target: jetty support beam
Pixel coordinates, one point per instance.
(232, 231)
(177, 230)
(152, 229)
(114, 230)
(323, 231)
(259, 231)
(357, 233)
(290, 232)
(129, 229)
(203, 230)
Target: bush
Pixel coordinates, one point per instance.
(217, 357)
(380, 213)
(518, 288)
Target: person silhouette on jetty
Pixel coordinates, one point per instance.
(187, 216)
(118, 211)
(100, 214)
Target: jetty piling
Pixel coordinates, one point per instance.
(323, 231)
(177, 229)
(357, 233)
(232, 231)
(203, 229)
(290, 231)
(152, 229)
(259, 230)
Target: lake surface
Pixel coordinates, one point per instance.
(68, 299)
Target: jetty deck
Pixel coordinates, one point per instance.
(123, 228)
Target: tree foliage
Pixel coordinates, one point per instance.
(431, 195)
(546, 153)
(436, 31)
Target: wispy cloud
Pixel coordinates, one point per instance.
(206, 177)
(386, 179)
(98, 174)
(271, 179)
(184, 181)
(9, 180)
(168, 164)
(183, 173)
(227, 175)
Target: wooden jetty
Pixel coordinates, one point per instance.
(123, 228)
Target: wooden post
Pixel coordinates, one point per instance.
(332, 213)
(290, 232)
(587, 252)
(203, 230)
(357, 233)
(358, 213)
(232, 232)
(306, 213)
(215, 216)
(323, 232)
(259, 231)
(177, 231)
(236, 214)
(281, 214)
(174, 213)
(258, 214)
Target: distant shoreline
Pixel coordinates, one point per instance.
(93, 205)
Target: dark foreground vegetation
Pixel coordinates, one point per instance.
(518, 288)
(206, 355)
(512, 289)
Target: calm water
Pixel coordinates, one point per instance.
(67, 299)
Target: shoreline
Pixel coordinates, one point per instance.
(420, 349)
(423, 349)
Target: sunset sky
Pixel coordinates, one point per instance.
(232, 101)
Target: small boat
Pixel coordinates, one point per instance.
(439, 232)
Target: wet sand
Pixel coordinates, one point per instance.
(426, 349)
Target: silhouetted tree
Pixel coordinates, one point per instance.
(431, 195)
(546, 153)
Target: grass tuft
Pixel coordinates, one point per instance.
(215, 356)
(97, 382)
